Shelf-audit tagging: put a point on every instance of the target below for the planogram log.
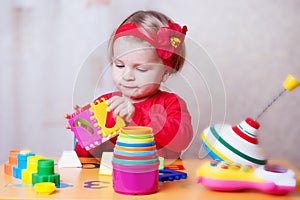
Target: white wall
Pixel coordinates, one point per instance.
(43, 44)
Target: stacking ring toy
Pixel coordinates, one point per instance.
(136, 153)
(120, 161)
(134, 149)
(135, 157)
(136, 130)
(123, 144)
(127, 140)
(122, 135)
(135, 161)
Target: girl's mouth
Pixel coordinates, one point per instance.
(128, 86)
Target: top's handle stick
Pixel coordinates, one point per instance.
(289, 84)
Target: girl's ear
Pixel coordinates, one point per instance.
(166, 76)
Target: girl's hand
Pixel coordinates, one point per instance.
(121, 106)
(67, 116)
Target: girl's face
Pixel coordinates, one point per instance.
(137, 70)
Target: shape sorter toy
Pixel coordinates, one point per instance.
(31, 168)
(90, 124)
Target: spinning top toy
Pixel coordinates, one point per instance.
(234, 143)
(239, 143)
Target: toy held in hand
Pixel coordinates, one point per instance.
(92, 125)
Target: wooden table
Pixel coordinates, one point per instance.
(85, 183)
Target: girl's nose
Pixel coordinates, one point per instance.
(129, 75)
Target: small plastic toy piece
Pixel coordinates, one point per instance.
(44, 187)
(106, 164)
(290, 83)
(69, 159)
(12, 161)
(161, 162)
(171, 175)
(227, 176)
(90, 127)
(234, 143)
(32, 163)
(45, 172)
(22, 163)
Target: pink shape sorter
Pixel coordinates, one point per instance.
(92, 125)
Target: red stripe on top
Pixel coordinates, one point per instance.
(244, 136)
(252, 123)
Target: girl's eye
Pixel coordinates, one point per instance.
(119, 65)
(141, 69)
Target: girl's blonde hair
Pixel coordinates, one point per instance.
(155, 20)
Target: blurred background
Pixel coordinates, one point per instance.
(44, 45)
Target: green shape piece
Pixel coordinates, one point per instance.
(45, 173)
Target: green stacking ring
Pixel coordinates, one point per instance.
(122, 135)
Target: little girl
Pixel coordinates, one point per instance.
(144, 51)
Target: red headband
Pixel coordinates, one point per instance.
(167, 41)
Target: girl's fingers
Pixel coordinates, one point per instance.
(126, 110)
(128, 118)
(126, 115)
(114, 103)
(110, 100)
(68, 126)
(67, 116)
(120, 106)
(118, 109)
(76, 107)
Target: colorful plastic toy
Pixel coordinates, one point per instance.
(226, 176)
(45, 172)
(135, 161)
(44, 187)
(234, 143)
(12, 161)
(171, 175)
(33, 169)
(22, 163)
(90, 126)
(32, 164)
(239, 143)
(69, 159)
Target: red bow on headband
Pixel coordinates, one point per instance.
(167, 41)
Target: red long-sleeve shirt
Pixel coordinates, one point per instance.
(168, 116)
